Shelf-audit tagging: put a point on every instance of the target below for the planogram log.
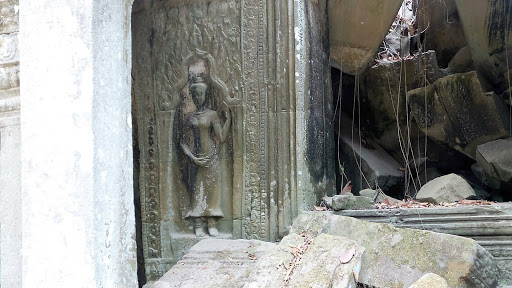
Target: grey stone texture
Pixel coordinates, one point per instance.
(216, 263)
(442, 28)
(10, 147)
(78, 213)
(448, 188)
(266, 65)
(376, 196)
(375, 166)
(383, 96)
(486, 36)
(349, 20)
(351, 202)
(325, 261)
(489, 226)
(495, 158)
(407, 253)
(430, 280)
(457, 112)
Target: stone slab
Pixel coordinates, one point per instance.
(490, 226)
(496, 158)
(77, 198)
(348, 20)
(10, 203)
(455, 110)
(216, 263)
(397, 257)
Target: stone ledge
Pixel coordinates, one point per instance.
(10, 104)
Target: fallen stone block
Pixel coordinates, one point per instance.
(348, 20)
(302, 261)
(397, 257)
(496, 159)
(448, 188)
(376, 165)
(376, 196)
(383, 96)
(215, 263)
(350, 202)
(457, 112)
(485, 178)
(430, 280)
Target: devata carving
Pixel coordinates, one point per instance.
(202, 128)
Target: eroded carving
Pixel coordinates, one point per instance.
(9, 47)
(203, 129)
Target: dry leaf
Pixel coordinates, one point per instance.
(347, 189)
(347, 255)
(388, 201)
(320, 208)
(356, 276)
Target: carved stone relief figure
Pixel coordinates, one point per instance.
(201, 129)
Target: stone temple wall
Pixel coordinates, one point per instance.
(266, 116)
(10, 143)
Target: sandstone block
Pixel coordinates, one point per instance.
(383, 91)
(376, 164)
(430, 280)
(457, 112)
(496, 159)
(348, 20)
(447, 188)
(328, 261)
(350, 202)
(216, 263)
(397, 257)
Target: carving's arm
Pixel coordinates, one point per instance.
(222, 132)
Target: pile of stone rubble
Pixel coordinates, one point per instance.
(327, 250)
(445, 109)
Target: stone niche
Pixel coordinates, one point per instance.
(233, 120)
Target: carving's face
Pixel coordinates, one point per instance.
(198, 91)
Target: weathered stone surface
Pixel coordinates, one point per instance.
(348, 20)
(377, 198)
(457, 113)
(383, 95)
(9, 51)
(376, 165)
(442, 28)
(9, 16)
(320, 265)
(351, 202)
(216, 263)
(430, 280)
(486, 27)
(462, 62)
(324, 261)
(496, 159)
(490, 226)
(447, 188)
(77, 198)
(10, 203)
(406, 252)
(264, 181)
(485, 178)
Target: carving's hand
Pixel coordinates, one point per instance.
(226, 110)
(199, 162)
